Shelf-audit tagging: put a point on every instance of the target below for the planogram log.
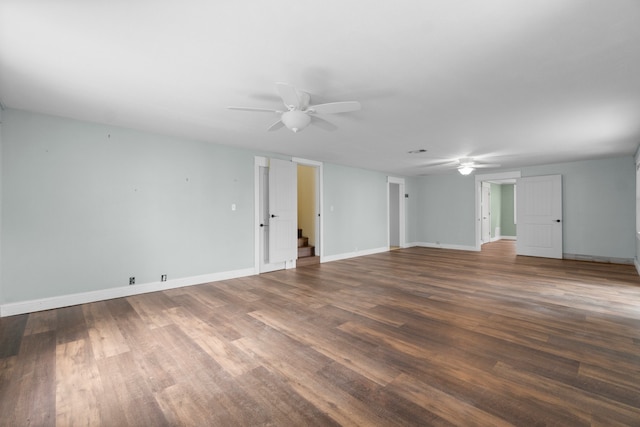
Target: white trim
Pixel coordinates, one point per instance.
(258, 162)
(348, 255)
(508, 237)
(306, 162)
(446, 246)
(602, 259)
(30, 306)
(395, 180)
(637, 264)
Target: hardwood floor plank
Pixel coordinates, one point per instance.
(11, 334)
(127, 397)
(78, 385)
(41, 321)
(152, 308)
(578, 402)
(335, 347)
(214, 344)
(70, 325)
(33, 401)
(453, 410)
(280, 401)
(104, 334)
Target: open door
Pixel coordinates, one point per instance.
(539, 216)
(283, 212)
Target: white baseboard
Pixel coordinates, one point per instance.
(446, 246)
(509, 237)
(603, 259)
(347, 255)
(637, 264)
(30, 306)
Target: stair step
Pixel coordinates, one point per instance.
(309, 260)
(303, 241)
(306, 251)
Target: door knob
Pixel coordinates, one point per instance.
(557, 220)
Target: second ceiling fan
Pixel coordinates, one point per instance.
(464, 165)
(298, 112)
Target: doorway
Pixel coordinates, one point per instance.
(269, 222)
(500, 224)
(536, 212)
(308, 215)
(396, 212)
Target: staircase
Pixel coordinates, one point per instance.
(306, 253)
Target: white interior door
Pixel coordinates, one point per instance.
(283, 212)
(264, 266)
(539, 216)
(486, 212)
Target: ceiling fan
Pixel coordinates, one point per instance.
(465, 165)
(298, 112)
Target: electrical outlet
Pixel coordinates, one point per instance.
(163, 278)
(132, 280)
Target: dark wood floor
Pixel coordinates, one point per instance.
(409, 337)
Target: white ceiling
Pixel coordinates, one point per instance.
(515, 82)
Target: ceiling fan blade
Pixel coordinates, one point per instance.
(441, 164)
(263, 110)
(289, 95)
(485, 165)
(277, 125)
(335, 107)
(322, 123)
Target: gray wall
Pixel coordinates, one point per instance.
(445, 210)
(496, 208)
(358, 220)
(507, 212)
(87, 206)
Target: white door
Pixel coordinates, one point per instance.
(486, 212)
(283, 212)
(263, 219)
(539, 216)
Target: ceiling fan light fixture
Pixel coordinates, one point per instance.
(465, 170)
(295, 120)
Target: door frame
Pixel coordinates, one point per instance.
(478, 198)
(262, 161)
(401, 211)
(319, 247)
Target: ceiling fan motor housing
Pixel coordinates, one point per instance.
(295, 120)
